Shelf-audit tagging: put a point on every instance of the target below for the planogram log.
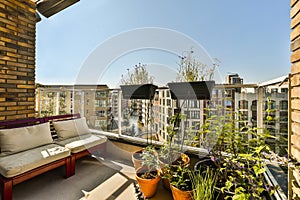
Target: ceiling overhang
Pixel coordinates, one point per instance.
(50, 7)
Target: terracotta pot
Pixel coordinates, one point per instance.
(147, 186)
(166, 182)
(136, 159)
(180, 194)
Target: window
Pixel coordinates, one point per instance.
(243, 115)
(272, 131)
(100, 103)
(196, 125)
(100, 94)
(228, 103)
(100, 113)
(283, 116)
(168, 93)
(195, 104)
(254, 105)
(195, 114)
(283, 128)
(100, 124)
(214, 93)
(284, 90)
(274, 90)
(270, 105)
(243, 104)
(283, 105)
(62, 94)
(87, 102)
(168, 102)
(254, 116)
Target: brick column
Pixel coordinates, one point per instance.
(294, 100)
(17, 59)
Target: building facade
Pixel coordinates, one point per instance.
(91, 101)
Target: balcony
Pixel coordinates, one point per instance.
(109, 178)
(112, 177)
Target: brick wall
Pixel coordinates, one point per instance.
(17, 59)
(294, 97)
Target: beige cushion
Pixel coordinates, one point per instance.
(81, 143)
(24, 138)
(71, 128)
(18, 163)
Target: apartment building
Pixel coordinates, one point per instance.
(269, 98)
(248, 102)
(142, 118)
(91, 101)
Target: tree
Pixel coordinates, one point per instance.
(192, 69)
(139, 75)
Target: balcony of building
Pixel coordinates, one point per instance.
(112, 177)
(125, 137)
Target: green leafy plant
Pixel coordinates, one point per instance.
(150, 161)
(204, 183)
(180, 177)
(170, 150)
(237, 152)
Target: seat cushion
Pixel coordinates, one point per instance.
(82, 142)
(19, 139)
(18, 163)
(71, 128)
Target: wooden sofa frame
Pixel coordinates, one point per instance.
(69, 162)
(75, 156)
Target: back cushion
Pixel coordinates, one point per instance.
(71, 128)
(19, 139)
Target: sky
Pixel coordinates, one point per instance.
(96, 41)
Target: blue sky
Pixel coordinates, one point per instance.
(248, 37)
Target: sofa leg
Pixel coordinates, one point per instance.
(72, 165)
(68, 167)
(7, 189)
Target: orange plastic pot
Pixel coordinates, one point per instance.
(147, 186)
(180, 194)
(185, 161)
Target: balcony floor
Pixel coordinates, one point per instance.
(107, 178)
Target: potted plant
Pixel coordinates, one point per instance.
(139, 91)
(180, 182)
(237, 154)
(148, 175)
(204, 183)
(138, 84)
(136, 158)
(171, 153)
(200, 90)
(194, 79)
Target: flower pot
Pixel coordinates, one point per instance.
(180, 194)
(143, 91)
(202, 165)
(147, 186)
(136, 159)
(200, 90)
(185, 160)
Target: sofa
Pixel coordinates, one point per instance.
(31, 147)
